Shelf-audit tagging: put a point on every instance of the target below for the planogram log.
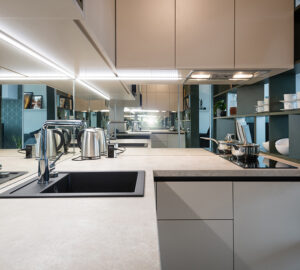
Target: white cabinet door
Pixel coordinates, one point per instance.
(267, 225)
(196, 244)
(205, 34)
(194, 200)
(264, 33)
(145, 34)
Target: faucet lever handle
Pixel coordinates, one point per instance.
(52, 165)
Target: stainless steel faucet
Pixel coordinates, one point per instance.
(109, 123)
(44, 167)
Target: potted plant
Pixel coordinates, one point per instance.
(220, 108)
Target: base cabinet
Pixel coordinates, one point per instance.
(195, 225)
(199, 230)
(267, 225)
(167, 141)
(196, 244)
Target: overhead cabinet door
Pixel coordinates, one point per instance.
(145, 34)
(204, 34)
(264, 33)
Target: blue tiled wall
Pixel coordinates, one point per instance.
(11, 118)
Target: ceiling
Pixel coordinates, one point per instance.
(40, 9)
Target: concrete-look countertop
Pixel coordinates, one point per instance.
(101, 233)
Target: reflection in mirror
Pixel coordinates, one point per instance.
(262, 132)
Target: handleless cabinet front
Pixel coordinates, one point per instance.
(264, 33)
(145, 35)
(194, 200)
(204, 34)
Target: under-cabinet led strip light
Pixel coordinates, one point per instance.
(21, 78)
(92, 89)
(24, 48)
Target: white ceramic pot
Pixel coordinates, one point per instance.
(266, 145)
(289, 97)
(282, 146)
(289, 105)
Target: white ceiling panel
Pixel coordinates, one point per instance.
(58, 40)
(40, 9)
(63, 43)
(13, 59)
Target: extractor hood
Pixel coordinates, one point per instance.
(226, 76)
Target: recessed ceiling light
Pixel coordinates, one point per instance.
(242, 75)
(200, 75)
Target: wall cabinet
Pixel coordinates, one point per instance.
(145, 33)
(162, 97)
(205, 34)
(264, 34)
(266, 225)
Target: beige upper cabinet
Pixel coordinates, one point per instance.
(205, 34)
(264, 33)
(163, 97)
(145, 34)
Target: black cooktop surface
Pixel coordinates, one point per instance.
(260, 162)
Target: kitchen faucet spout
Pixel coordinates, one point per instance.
(44, 167)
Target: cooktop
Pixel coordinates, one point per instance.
(260, 162)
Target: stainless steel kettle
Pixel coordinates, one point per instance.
(52, 143)
(89, 143)
(102, 142)
(67, 138)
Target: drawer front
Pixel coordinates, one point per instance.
(198, 244)
(194, 200)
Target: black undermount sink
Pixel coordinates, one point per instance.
(83, 184)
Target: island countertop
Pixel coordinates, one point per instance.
(100, 233)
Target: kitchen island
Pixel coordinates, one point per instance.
(101, 233)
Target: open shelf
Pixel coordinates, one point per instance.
(290, 112)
